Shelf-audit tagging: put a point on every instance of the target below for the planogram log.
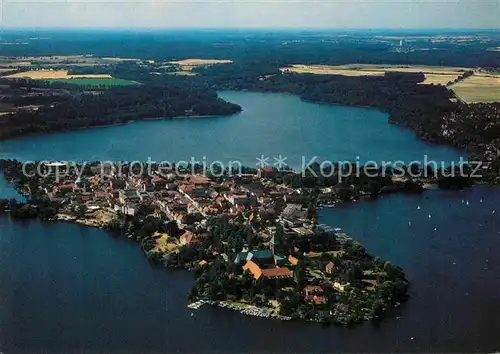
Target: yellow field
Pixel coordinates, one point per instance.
(479, 88)
(439, 79)
(13, 64)
(164, 244)
(200, 62)
(433, 74)
(330, 70)
(182, 73)
(55, 74)
(59, 61)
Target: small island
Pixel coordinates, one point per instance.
(254, 242)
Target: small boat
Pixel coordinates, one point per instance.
(467, 203)
(418, 208)
(192, 314)
(430, 216)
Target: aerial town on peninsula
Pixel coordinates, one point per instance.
(253, 241)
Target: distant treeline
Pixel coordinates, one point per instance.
(426, 109)
(111, 106)
(274, 47)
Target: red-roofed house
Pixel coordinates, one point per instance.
(270, 273)
(313, 290)
(186, 188)
(293, 261)
(62, 189)
(329, 267)
(199, 180)
(266, 172)
(318, 300)
(277, 273)
(186, 238)
(253, 268)
(312, 254)
(158, 182)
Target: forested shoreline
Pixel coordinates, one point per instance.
(80, 109)
(431, 111)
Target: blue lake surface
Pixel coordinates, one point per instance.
(269, 125)
(68, 288)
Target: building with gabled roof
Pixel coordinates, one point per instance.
(329, 267)
(267, 273)
(277, 273)
(293, 261)
(253, 268)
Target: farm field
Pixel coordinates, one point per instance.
(63, 76)
(58, 61)
(186, 65)
(182, 73)
(55, 74)
(200, 62)
(111, 81)
(479, 88)
(433, 74)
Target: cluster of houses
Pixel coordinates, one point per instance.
(179, 197)
(192, 199)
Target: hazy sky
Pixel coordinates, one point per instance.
(252, 13)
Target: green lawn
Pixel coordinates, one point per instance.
(96, 82)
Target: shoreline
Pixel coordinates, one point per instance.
(242, 308)
(114, 125)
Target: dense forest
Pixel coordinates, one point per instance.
(111, 106)
(429, 110)
(278, 47)
(426, 109)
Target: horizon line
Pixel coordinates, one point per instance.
(145, 28)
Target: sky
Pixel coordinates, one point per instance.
(354, 14)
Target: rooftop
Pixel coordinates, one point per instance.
(277, 273)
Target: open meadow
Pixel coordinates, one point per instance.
(64, 77)
(58, 61)
(54, 74)
(433, 74)
(111, 81)
(186, 66)
(200, 62)
(479, 88)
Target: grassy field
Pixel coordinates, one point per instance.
(181, 73)
(331, 70)
(55, 74)
(59, 61)
(439, 79)
(63, 76)
(187, 65)
(479, 88)
(96, 81)
(200, 62)
(433, 74)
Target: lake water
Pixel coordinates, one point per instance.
(68, 288)
(269, 125)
